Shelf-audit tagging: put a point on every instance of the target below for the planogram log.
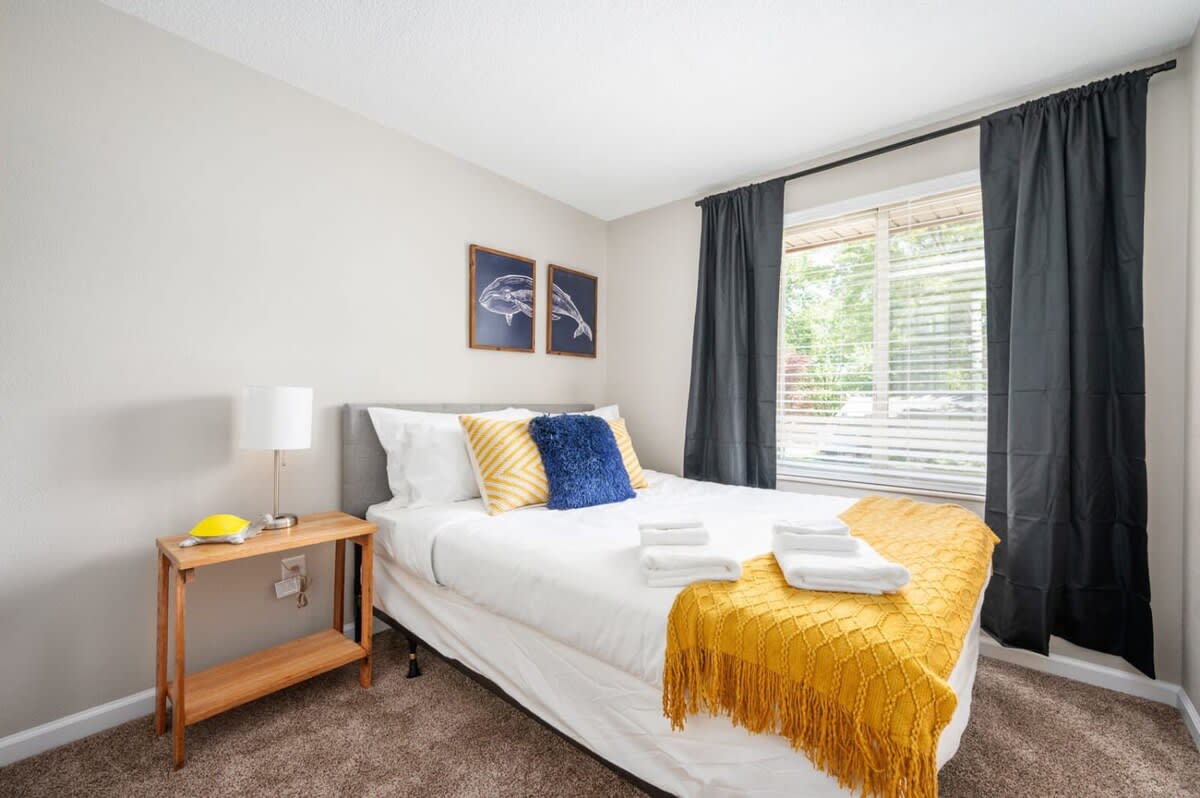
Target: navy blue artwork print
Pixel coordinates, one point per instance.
(502, 300)
(572, 299)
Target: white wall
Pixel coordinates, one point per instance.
(652, 260)
(1191, 573)
(174, 226)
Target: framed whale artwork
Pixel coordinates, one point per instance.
(572, 299)
(502, 300)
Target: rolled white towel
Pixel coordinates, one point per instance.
(860, 571)
(675, 566)
(818, 526)
(670, 523)
(684, 536)
(790, 541)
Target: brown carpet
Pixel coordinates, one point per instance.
(445, 735)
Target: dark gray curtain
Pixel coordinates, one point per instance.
(730, 434)
(1063, 187)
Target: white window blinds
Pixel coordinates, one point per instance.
(882, 369)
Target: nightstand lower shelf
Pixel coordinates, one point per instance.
(211, 692)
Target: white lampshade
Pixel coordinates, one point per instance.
(277, 417)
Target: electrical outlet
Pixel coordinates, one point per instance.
(293, 566)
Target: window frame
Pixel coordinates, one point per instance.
(862, 204)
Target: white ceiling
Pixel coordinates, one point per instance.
(614, 107)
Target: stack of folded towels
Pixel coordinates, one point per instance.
(676, 553)
(823, 555)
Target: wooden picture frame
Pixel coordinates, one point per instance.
(572, 312)
(502, 311)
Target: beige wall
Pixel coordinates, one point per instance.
(652, 259)
(1191, 572)
(150, 267)
(174, 226)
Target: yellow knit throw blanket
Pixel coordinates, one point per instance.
(859, 683)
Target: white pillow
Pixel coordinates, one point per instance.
(608, 412)
(427, 458)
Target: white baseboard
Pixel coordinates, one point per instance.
(1191, 718)
(1081, 671)
(377, 626)
(26, 743)
(23, 744)
(1100, 676)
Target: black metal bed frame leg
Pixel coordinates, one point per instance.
(414, 670)
(357, 593)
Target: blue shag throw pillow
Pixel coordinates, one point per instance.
(582, 461)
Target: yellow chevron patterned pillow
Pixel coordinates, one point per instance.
(507, 463)
(637, 478)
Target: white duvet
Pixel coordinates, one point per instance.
(574, 574)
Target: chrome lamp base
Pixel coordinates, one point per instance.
(281, 521)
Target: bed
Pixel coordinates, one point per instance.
(550, 608)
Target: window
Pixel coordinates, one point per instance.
(882, 365)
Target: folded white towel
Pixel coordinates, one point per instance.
(835, 586)
(670, 523)
(675, 566)
(787, 541)
(860, 571)
(818, 526)
(684, 536)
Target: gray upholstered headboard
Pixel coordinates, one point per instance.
(364, 464)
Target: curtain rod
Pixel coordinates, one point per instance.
(1165, 66)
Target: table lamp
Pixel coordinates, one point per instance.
(278, 418)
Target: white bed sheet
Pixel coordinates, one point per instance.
(552, 606)
(619, 716)
(574, 575)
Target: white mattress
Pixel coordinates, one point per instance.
(553, 608)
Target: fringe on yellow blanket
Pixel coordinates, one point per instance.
(859, 683)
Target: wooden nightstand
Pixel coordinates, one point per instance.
(197, 696)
